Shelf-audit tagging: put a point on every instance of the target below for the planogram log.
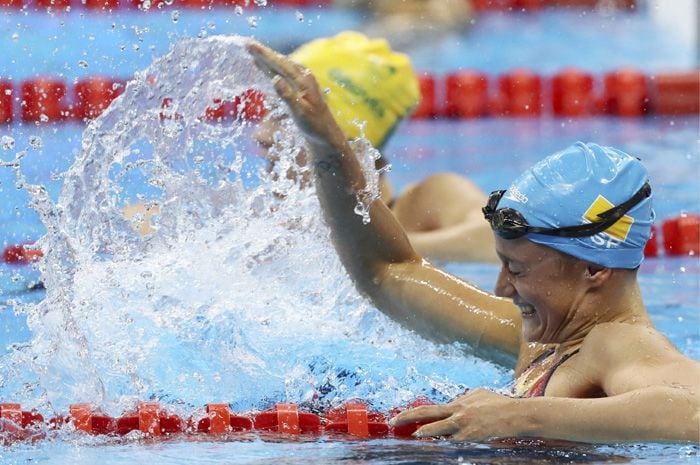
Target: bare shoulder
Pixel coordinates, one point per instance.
(630, 336)
(626, 356)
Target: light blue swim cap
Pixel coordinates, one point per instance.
(571, 187)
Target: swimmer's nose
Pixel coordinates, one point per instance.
(504, 286)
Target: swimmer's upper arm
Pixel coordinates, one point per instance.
(623, 357)
(442, 307)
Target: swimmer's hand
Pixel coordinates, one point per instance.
(480, 415)
(298, 88)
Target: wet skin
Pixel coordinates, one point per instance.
(626, 383)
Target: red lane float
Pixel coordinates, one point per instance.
(93, 95)
(682, 235)
(104, 5)
(427, 107)
(21, 254)
(63, 5)
(626, 93)
(676, 93)
(651, 249)
(219, 420)
(467, 94)
(572, 93)
(285, 418)
(250, 105)
(11, 4)
(354, 419)
(42, 100)
(87, 420)
(6, 113)
(17, 424)
(519, 94)
(535, 5)
(55, 5)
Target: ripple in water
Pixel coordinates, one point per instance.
(237, 296)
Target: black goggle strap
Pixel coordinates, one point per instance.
(492, 203)
(608, 217)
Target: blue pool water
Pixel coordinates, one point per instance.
(277, 319)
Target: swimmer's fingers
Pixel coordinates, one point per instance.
(424, 414)
(277, 66)
(446, 427)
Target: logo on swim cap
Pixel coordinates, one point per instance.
(514, 194)
(620, 229)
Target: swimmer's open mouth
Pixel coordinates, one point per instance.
(526, 310)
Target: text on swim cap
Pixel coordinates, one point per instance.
(347, 83)
(515, 195)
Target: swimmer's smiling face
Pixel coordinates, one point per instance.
(547, 286)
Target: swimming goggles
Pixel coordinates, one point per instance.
(509, 223)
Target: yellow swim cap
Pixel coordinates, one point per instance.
(366, 82)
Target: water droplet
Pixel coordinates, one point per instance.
(260, 2)
(15, 36)
(36, 142)
(83, 64)
(299, 15)
(8, 143)
(175, 15)
(43, 118)
(238, 10)
(253, 21)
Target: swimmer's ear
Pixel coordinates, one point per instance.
(596, 274)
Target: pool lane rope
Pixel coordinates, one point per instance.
(680, 237)
(151, 420)
(463, 94)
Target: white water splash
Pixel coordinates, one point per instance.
(237, 296)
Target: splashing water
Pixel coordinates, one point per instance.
(236, 296)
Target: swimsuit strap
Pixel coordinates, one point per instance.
(537, 388)
(540, 385)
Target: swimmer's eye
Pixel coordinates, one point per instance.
(513, 271)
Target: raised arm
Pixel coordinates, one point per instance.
(378, 255)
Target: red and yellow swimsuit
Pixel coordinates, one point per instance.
(527, 386)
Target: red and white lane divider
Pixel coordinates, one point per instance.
(680, 236)
(571, 93)
(479, 5)
(153, 420)
(536, 5)
(147, 5)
